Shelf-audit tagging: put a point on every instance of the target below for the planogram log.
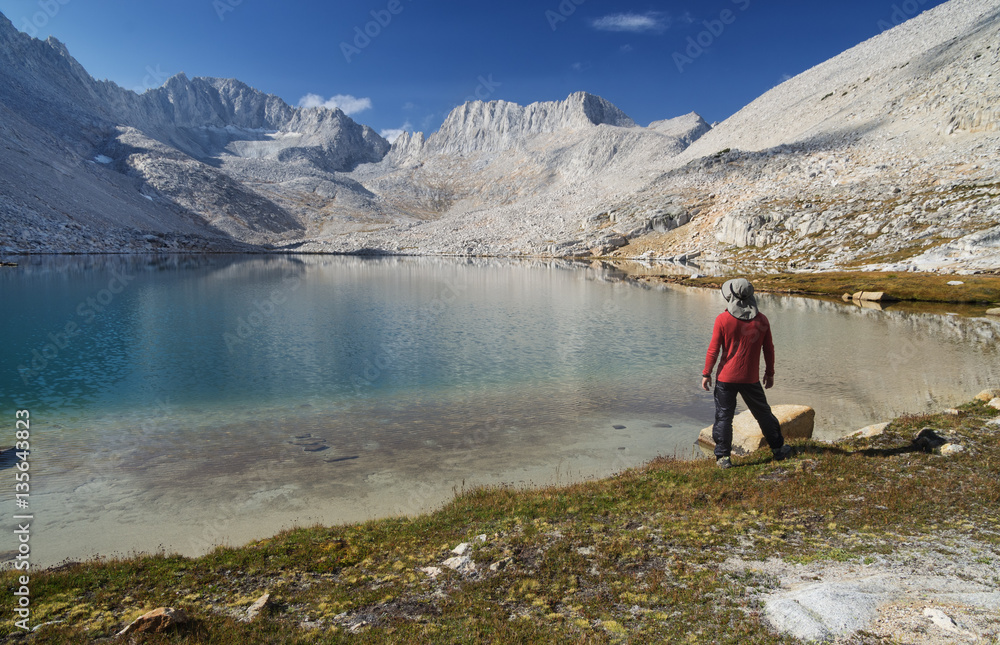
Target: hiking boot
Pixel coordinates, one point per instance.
(783, 452)
(723, 462)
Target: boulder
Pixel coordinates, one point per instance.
(875, 296)
(796, 423)
(993, 312)
(987, 395)
(994, 403)
(157, 621)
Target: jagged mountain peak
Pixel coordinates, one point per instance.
(492, 126)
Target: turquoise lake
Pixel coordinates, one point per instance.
(178, 403)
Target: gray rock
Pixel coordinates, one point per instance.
(462, 564)
(820, 611)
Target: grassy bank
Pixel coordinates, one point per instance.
(633, 558)
(913, 287)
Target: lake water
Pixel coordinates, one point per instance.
(185, 402)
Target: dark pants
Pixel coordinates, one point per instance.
(725, 408)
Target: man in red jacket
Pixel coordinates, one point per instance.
(739, 334)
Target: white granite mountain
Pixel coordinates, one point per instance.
(195, 164)
(885, 156)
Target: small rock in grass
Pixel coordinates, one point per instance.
(462, 564)
(805, 465)
(873, 430)
(994, 403)
(944, 621)
(500, 564)
(157, 621)
(258, 606)
(433, 572)
(461, 548)
(952, 412)
(955, 283)
(950, 449)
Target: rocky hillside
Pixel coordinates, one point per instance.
(196, 164)
(887, 156)
(504, 179)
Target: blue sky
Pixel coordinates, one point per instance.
(404, 64)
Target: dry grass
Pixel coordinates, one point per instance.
(917, 287)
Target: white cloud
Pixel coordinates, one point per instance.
(391, 134)
(347, 103)
(632, 22)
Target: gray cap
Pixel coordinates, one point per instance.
(739, 294)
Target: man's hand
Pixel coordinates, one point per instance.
(768, 382)
(706, 383)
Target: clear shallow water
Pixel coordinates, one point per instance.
(187, 402)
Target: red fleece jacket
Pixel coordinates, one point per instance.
(738, 343)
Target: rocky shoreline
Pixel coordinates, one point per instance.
(881, 537)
